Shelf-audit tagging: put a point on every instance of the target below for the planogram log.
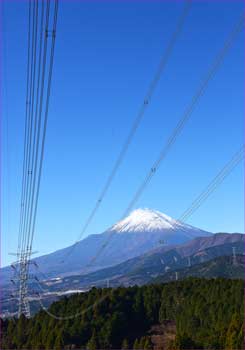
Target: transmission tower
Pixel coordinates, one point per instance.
(176, 275)
(234, 255)
(24, 307)
(20, 281)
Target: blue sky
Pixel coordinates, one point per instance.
(106, 55)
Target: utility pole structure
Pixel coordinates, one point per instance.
(24, 307)
(21, 277)
(234, 255)
(24, 264)
(189, 261)
(176, 275)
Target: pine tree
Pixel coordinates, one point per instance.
(58, 344)
(21, 331)
(136, 344)
(240, 339)
(50, 341)
(142, 343)
(92, 343)
(125, 345)
(148, 344)
(233, 332)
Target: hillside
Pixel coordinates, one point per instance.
(138, 233)
(140, 270)
(223, 266)
(194, 313)
(159, 261)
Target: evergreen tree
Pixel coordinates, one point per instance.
(58, 343)
(148, 344)
(142, 343)
(21, 331)
(125, 345)
(233, 333)
(50, 342)
(92, 343)
(136, 344)
(240, 340)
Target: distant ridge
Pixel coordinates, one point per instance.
(138, 233)
(201, 257)
(222, 266)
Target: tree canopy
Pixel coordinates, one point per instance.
(207, 313)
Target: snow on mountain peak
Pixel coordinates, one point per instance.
(141, 220)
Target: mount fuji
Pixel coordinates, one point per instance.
(138, 233)
(147, 220)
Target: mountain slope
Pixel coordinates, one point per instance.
(140, 232)
(202, 309)
(142, 269)
(222, 266)
(161, 262)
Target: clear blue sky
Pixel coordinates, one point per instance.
(106, 55)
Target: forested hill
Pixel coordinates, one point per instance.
(206, 313)
(222, 266)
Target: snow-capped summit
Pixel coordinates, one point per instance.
(142, 220)
(148, 220)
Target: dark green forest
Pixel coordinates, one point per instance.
(207, 314)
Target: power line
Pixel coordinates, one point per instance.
(27, 251)
(36, 119)
(45, 119)
(32, 121)
(219, 178)
(21, 255)
(181, 124)
(25, 135)
(78, 314)
(154, 170)
(36, 133)
(32, 141)
(206, 193)
(38, 115)
(212, 186)
(32, 144)
(138, 119)
(227, 169)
